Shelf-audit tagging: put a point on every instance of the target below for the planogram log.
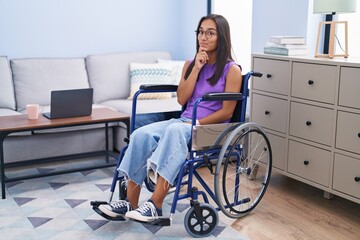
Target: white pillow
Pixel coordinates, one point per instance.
(149, 73)
(176, 70)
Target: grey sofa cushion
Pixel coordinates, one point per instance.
(109, 73)
(8, 112)
(7, 97)
(34, 79)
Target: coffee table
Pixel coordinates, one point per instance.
(20, 123)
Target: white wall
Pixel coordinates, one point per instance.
(76, 28)
(353, 32)
(312, 30)
(296, 17)
(278, 17)
(239, 16)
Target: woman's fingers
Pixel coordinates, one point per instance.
(203, 57)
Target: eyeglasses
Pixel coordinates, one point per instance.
(208, 34)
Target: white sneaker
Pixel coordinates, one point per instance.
(116, 208)
(147, 212)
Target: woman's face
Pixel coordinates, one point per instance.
(207, 35)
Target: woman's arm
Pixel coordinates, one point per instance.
(233, 84)
(186, 87)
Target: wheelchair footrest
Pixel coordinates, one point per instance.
(97, 203)
(162, 221)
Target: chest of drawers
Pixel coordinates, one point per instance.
(310, 109)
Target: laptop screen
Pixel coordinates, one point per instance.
(71, 103)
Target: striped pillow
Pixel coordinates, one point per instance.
(149, 73)
(177, 67)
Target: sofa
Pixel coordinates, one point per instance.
(114, 78)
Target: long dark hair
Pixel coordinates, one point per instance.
(223, 51)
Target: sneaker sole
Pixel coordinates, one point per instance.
(139, 217)
(109, 212)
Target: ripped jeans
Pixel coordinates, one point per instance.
(163, 146)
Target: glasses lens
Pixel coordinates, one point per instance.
(207, 35)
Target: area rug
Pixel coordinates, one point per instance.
(58, 207)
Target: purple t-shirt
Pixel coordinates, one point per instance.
(202, 87)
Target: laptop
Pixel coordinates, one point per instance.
(70, 103)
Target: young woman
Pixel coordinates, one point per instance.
(163, 146)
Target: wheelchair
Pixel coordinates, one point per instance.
(239, 160)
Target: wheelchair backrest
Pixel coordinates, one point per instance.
(239, 114)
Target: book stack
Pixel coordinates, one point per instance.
(286, 45)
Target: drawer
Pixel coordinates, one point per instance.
(314, 81)
(349, 87)
(275, 78)
(312, 123)
(346, 175)
(348, 132)
(278, 147)
(269, 112)
(309, 162)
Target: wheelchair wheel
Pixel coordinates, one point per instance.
(243, 170)
(203, 222)
(150, 181)
(123, 189)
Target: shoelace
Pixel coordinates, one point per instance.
(119, 204)
(147, 206)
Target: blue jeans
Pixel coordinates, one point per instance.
(161, 146)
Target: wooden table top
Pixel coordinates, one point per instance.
(21, 122)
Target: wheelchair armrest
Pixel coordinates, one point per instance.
(226, 96)
(159, 87)
(148, 88)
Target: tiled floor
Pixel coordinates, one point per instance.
(58, 207)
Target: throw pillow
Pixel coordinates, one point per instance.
(149, 73)
(176, 69)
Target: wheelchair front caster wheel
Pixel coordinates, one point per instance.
(201, 222)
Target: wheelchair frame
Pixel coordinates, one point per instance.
(240, 163)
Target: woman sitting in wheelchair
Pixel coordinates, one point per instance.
(163, 146)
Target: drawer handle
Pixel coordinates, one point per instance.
(308, 123)
(306, 162)
(268, 75)
(268, 112)
(359, 134)
(357, 179)
(310, 82)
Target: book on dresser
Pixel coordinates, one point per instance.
(287, 39)
(285, 51)
(288, 46)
